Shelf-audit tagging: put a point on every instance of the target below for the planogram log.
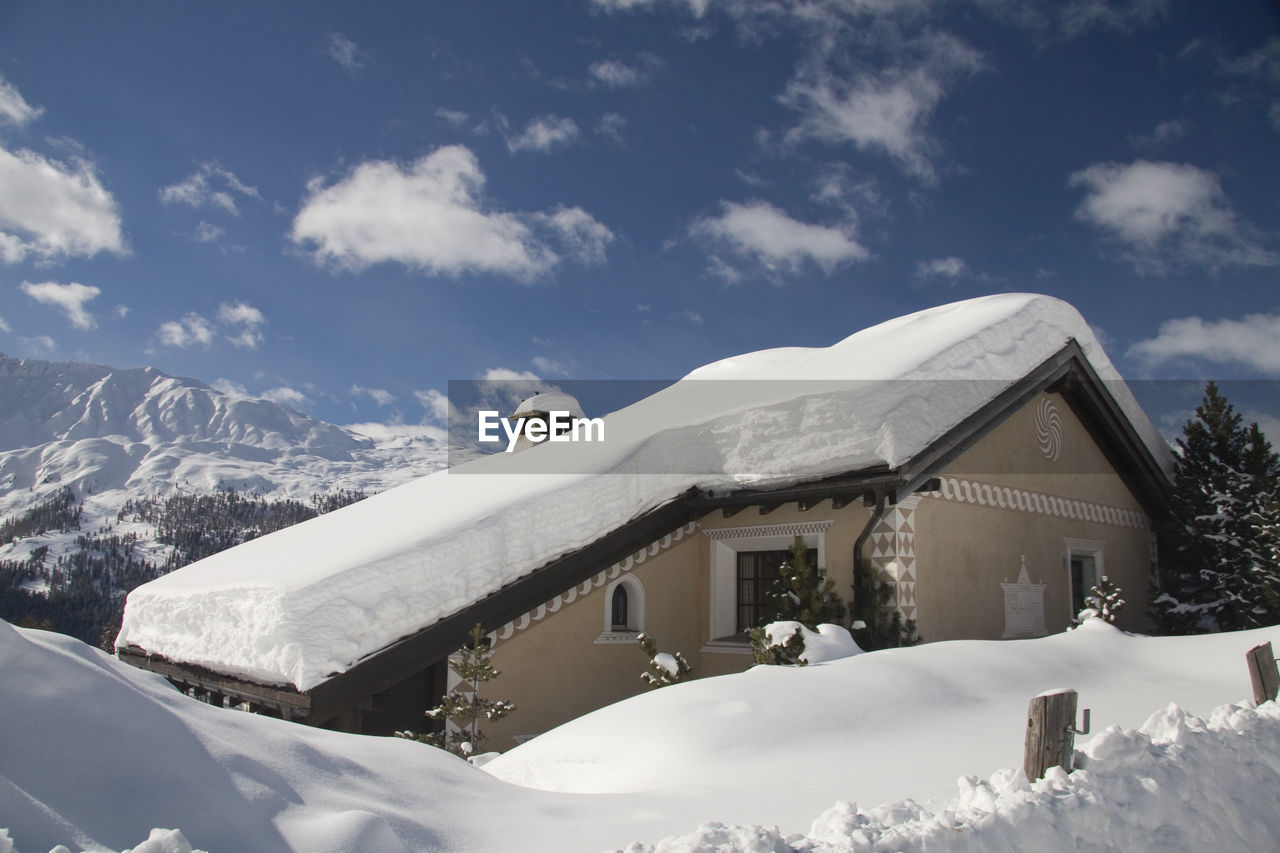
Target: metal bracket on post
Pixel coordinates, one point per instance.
(1072, 728)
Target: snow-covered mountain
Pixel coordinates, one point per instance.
(112, 434)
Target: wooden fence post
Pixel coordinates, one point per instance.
(1262, 672)
(1051, 731)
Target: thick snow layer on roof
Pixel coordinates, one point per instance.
(299, 605)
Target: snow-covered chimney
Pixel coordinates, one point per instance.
(540, 407)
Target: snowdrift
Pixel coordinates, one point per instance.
(94, 754)
(1179, 783)
(299, 605)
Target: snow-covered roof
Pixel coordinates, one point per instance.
(297, 606)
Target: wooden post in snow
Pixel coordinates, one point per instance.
(1051, 731)
(1262, 672)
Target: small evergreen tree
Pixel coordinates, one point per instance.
(463, 705)
(1226, 482)
(801, 595)
(664, 668)
(875, 625)
(1103, 601)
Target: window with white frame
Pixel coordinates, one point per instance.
(728, 583)
(623, 610)
(1085, 566)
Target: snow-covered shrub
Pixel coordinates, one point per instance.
(664, 668)
(790, 643)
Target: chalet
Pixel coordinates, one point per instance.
(983, 461)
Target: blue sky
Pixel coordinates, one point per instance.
(344, 206)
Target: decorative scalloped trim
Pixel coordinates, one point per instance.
(1021, 500)
(571, 595)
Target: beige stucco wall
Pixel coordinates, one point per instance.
(555, 665)
(965, 548)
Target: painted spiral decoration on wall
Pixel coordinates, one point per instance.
(1049, 429)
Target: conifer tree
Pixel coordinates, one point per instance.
(1103, 601)
(1226, 483)
(801, 595)
(463, 705)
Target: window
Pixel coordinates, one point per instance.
(758, 571)
(623, 611)
(619, 606)
(727, 618)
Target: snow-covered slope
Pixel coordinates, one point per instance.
(94, 753)
(112, 434)
(298, 605)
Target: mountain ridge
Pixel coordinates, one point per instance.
(118, 434)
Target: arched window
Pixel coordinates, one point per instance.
(623, 615)
(620, 608)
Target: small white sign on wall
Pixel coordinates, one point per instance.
(1023, 607)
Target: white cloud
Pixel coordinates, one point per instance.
(244, 321)
(240, 313)
(191, 330)
(543, 133)
(615, 74)
(1163, 134)
(70, 298)
(1077, 17)
(456, 119)
(582, 235)
(231, 389)
(430, 216)
(4, 327)
(1167, 215)
(398, 435)
(722, 270)
(14, 109)
(57, 209)
(887, 110)
(1080, 16)
(950, 268)
(494, 374)
(345, 52)
(611, 125)
(1253, 340)
(378, 395)
(286, 396)
(39, 346)
(762, 233)
(435, 403)
(207, 232)
(210, 185)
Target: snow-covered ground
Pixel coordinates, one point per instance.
(95, 754)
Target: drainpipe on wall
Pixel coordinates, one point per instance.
(859, 563)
